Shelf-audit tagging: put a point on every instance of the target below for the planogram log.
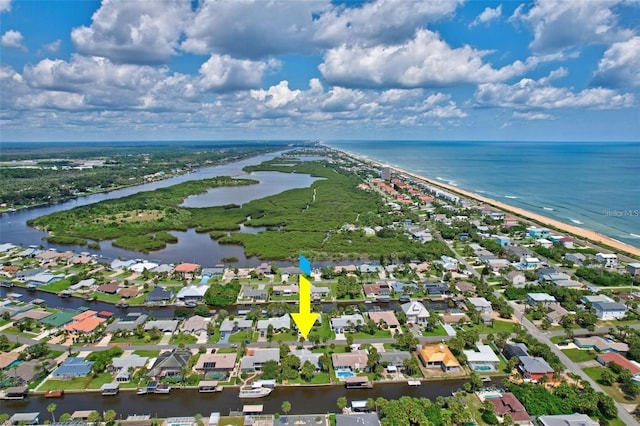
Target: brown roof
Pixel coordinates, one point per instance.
(387, 316)
(110, 288)
(216, 361)
(509, 404)
(187, 267)
(7, 358)
(10, 269)
(35, 314)
(454, 319)
(86, 325)
(439, 353)
(128, 292)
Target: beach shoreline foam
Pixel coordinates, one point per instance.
(588, 235)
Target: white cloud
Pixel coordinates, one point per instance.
(533, 115)
(560, 25)
(528, 94)
(53, 47)
(224, 73)
(620, 65)
(424, 61)
(134, 31)
(487, 15)
(5, 5)
(12, 39)
(276, 96)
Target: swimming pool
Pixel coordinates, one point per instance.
(343, 374)
(483, 368)
(15, 363)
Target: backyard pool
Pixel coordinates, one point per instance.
(343, 374)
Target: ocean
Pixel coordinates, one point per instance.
(594, 185)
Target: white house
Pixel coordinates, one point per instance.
(449, 263)
(484, 359)
(544, 298)
(529, 263)
(480, 304)
(416, 312)
(610, 310)
(516, 278)
(609, 260)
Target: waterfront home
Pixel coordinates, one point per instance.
(72, 367)
(25, 419)
(516, 278)
(404, 288)
(345, 268)
(394, 358)
(84, 322)
(193, 293)
(58, 319)
(129, 292)
(8, 358)
(346, 323)
(567, 420)
(512, 349)
(379, 289)
(543, 298)
(124, 365)
(195, 324)
(534, 367)
(118, 264)
(318, 293)
(255, 357)
(109, 288)
(238, 323)
(44, 278)
(620, 360)
(416, 312)
(163, 269)
(359, 419)
(384, 317)
(214, 364)
(507, 403)
(159, 295)
(166, 326)
(435, 289)
(465, 287)
(352, 361)
(278, 324)
(285, 290)
(306, 355)
(7, 247)
(128, 323)
(170, 363)
(454, 317)
(80, 259)
(479, 304)
(608, 260)
(142, 266)
(484, 359)
(438, 356)
(253, 293)
(88, 283)
(187, 270)
(610, 310)
(600, 344)
(28, 371)
(633, 269)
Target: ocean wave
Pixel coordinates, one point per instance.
(511, 196)
(548, 208)
(576, 221)
(634, 235)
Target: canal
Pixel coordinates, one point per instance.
(188, 402)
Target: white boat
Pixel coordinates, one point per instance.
(485, 379)
(414, 382)
(249, 392)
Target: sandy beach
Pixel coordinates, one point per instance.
(576, 231)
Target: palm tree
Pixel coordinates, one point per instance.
(51, 408)
(109, 416)
(286, 407)
(342, 403)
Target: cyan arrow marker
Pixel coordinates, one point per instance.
(305, 265)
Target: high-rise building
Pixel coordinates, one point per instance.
(386, 173)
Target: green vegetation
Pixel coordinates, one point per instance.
(183, 338)
(147, 353)
(604, 278)
(222, 295)
(579, 355)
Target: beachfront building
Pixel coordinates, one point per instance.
(483, 360)
(608, 260)
(535, 232)
(633, 269)
(385, 173)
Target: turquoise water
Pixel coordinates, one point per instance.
(343, 374)
(483, 368)
(595, 185)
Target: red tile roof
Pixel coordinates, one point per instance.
(187, 267)
(616, 358)
(509, 404)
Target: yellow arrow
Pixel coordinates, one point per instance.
(304, 318)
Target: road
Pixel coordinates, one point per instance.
(623, 414)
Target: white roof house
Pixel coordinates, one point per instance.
(480, 303)
(141, 266)
(192, 292)
(415, 311)
(346, 321)
(544, 298)
(484, 359)
(278, 323)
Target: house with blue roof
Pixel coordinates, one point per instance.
(72, 367)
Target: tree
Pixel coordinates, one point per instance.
(64, 417)
(411, 365)
(270, 370)
(341, 403)
(608, 378)
(109, 416)
(307, 371)
(51, 408)
(286, 407)
(94, 417)
(373, 358)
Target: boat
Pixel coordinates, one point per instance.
(250, 392)
(405, 298)
(30, 287)
(89, 298)
(190, 304)
(122, 305)
(485, 379)
(64, 293)
(54, 393)
(162, 388)
(414, 382)
(6, 284)
(141, 391)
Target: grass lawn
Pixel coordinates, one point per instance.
(57, 286)
(378, 334)
(133, 340)
(77, 383)
(232, 421)
(498, 326)
(318, 379)
(437, 331)
(227, 351)
(475, 406)
(558, 339)
(187, 339)
(325, 330)
(147, 353)
(285, 336)
(579, 355)
(4, 322)
(100, 380)
(596, 372)
(241, 336)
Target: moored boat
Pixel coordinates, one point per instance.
(414, 382)
(54, 393)
(250, 392)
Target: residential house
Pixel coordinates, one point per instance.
(465, 287)
(159, 295)
(346, 323)
(195, 324)
(395, 358)
(535, 232)
(480, 304)
(436, 288)
(85, 322)
(109, 288)
(170, 363)
(512, 349)
(285, 290)
(88, 283)
(556, 313)
(166, 326)
(7, 358)
(576, 258)
(534, 367)
(256, 357)
(386, 317)
(530, 263)
(498, 264)
(140, 267)
(503, 241)
(59, 319)
(128, 323)
(600, 344)
(353, 361)
(633, 269)
(193, 293)
(187, 270)
(543, 242)
(440, 356)
(567, 420)
(404, 288)
(278, 324)
(379, 289)
(72, 367)
(29, 371)
(516, 278)
(249, 292)
(125, 365)
(215, 364)
(359, 419)
(484, 359)
(238, 323)
(610, 310)
(608, 260)
(449, 263)
(457, 317)
(416, 312)
(596, 298)
(121, 264)
(307, 355)
(129, 292)
(507, 403)
(543, 298)
(44, 278)
(620, 360)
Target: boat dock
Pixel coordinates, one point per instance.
(206, 386)
(357, 383)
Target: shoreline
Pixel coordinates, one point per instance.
(587, 235)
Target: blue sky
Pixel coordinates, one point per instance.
(294, 69)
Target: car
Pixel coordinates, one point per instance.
(235, 345)
(247, 341)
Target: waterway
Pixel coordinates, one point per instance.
(191, 247)
(188, 402)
